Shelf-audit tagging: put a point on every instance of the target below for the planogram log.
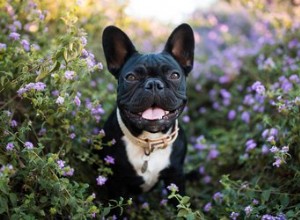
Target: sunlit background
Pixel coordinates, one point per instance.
(167, 11)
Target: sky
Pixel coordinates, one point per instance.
(168, 11)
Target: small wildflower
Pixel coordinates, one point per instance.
(13, 123)
(248, 210)
(77, 101)
(172, 187)
(113, 141)
(277, 162)
(234, 215)
(10, 146)
(60, 100)
(72, 135)
(250, 145)
(213, 154)
(231, 115)
(2, 47)
(274, 149)
(255, 202)
(28, 145)
(186, 119)
(102, 133)
(109, 159)
(285, 149)
(68, 172)
(207, 207)
(218, 197)
(14, 36)
(207, 179)
(145, 205)
(163, 202)
(61, 164)
(101, 180)
(69, 74)
(25, 45)
(83, 41)
(258, 88)
(246, 117)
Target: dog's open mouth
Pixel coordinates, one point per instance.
(155, 114)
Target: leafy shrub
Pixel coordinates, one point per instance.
(242, 116)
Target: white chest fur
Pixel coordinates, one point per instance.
(158, 160)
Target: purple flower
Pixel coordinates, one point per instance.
(60, 100)
(172, 187)
(39, 86)
(258, 88)
(10, 146)
(14, 36)
(69, 74)
(274, 149)
(163, 202)
(186, 119)
(109, 159)
(68, 171)
(61, 164)
(101, 180)
(13, 123)
(77, 101)
(25, 45)
(246, 117)
(277, 162)
(145, 205)
(285, 149)
(218, 197)
(83, 41)
(72, 135)
(2, 47)
(213, 154)
(250, 145)
(55, 93)
(248, 210)
(234, 215)
(231, 115)
(42, 131)
(225, 94)
(102, 133)
(28, 145)
(265, 149)
(207, 207)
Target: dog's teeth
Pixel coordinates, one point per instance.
(165, 117)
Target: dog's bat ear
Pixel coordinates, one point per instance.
(181, 45)
(117, 48)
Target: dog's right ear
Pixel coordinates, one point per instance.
(117, 48)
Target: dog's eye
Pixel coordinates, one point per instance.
(174, 75)
(131, 77)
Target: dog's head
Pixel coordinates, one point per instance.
(151, 87)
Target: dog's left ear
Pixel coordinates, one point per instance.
(181, 46)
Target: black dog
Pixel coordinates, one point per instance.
(151, 94)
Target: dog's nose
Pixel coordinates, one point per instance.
(154, 85)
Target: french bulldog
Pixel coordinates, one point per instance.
(150, 145)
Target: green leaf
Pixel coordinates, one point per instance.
(185, 200)
(265, 196)
(13, 199)
(182, 213)
(3, 205)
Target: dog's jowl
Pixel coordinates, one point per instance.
(149, 144)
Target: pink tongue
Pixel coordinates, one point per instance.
(153, 113)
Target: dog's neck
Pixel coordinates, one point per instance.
(150, 141)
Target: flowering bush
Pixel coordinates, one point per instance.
(242, 117)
